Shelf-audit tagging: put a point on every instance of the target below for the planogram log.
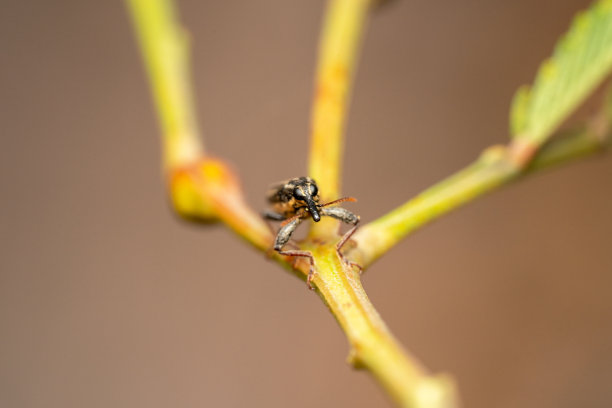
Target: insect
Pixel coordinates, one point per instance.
(297, 199)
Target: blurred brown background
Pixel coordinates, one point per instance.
(107, 300)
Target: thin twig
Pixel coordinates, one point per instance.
(496, 167)
(338, 50)
(164, 46)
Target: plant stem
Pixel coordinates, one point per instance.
(338, 49)
(164, 46)
(209, 190)
(372, 345)
(497, 166)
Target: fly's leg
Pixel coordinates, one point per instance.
(284, 233)
(341, 243)
(272, 216)
(292, 244)
(341, 214)
(348, 217)
(305, 254)
(283, 237)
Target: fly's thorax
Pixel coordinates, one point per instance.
(287, 208)
(295, 196)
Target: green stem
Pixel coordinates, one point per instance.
(372, 345)
(341, 36)
(164, 46)
(496, 167)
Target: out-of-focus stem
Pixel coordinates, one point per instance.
(496, 167)
(201, 187)
(209, 190)
(338, 49)
(164, 45)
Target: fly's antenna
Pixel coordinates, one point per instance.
(338, 201)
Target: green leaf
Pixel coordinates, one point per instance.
(581, 61)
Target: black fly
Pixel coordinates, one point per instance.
(297, 199)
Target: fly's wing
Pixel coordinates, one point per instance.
(279, 193)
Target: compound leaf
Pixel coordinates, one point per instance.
(581, 61)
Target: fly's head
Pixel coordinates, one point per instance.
(306, 194)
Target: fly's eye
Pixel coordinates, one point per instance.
(297, 193)
(313, 190)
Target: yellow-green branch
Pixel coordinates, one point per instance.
(209, 190)
(164, 45)
(201, 187)
(338, 49)
(496, 167)
(373, 347)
